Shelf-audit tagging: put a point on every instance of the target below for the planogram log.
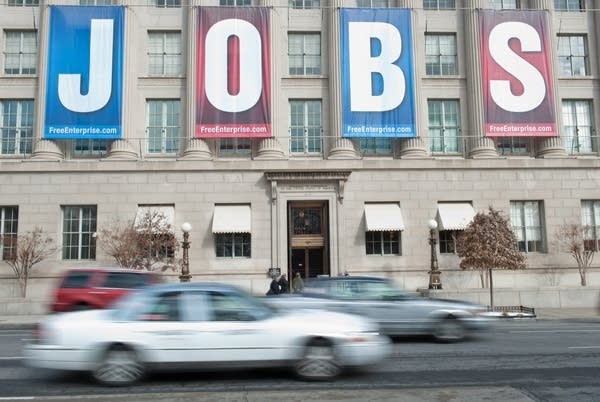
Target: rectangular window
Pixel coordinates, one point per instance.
(154, 223)
(90, 148)
(232, 244)
(97, 2)
(448, 241)
(440, 55)
(513, 145)
(568, 5)
(164, 53)
(376, 146)
(444, 126)
(577, 126)
(9, 219)
(165, 3)
(16, 118)
(383, 242)
(438, 5)
(20, 52)
(504, 4)
(573, 55)
(305, 4)
(235, 147)
(235, 3)
(306, 129)
(590, 221)
(163, 126)
(372, 3)
(23, 3)
(304, 53)
(526, 221)
(78, 232)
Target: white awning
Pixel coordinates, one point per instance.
(455, 215)
(232, 219)
(383, 217)
(152, 212)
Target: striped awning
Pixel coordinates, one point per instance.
(455, 215)
(232, 219)
(383, 217)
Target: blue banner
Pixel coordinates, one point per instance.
(85, 73)
(377, 73)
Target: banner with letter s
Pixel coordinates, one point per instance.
(85, 73)
(377, 73)
(518, 91)
(233, 75)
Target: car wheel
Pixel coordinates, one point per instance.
(449, 329)
(81, 307)
(318, 362)
(118, 366)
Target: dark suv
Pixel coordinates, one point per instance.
(92, 288)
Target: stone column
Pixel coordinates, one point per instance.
(479, 145)
(550, 147)
(339, 147)
(195, 148)
(43, 149)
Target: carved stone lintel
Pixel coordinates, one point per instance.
(310, 180)
(482, 147)
(270, 148)
(47, 150)
(197, 149)
(121, 150)
(551, 147)
(412, 148)
(343, 149)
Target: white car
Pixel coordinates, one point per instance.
(200, 325)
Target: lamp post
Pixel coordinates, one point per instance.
(435, 282)
(185, 276)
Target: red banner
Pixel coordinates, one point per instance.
(233, 73)
(518, 92)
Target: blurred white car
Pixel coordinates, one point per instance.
(199, 325)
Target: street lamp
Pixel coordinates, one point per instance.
(185, 276)
(435, 282)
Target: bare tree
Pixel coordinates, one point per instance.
(148, 243)
(489, 243)
(572, 238)
(26, 251)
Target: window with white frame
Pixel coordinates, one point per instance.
(439, 5)
(376, 146)
(154, 223)
(590, 221)
(78, 232)
(527, 224)
(577, 126)
(84, 148)
(504, 4)
(305, 4)
(16, 118)
(306, 130)
(440, 55)
(23, 3)
(163, 126)
(164, 53)
(233, 244)
(165, 3)
(235, 147)
(97, 2)
(9, 219)
(383, 242)
(514, 145)
(569, 5)
(235, 3)
(573, 55)
(20, 52)
(447, 240)
(444, 125)
(304, 53)
(372, 3)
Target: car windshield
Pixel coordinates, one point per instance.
(364, 290)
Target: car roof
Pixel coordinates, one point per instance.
(350, 278)
(113, 269)
(201, 286)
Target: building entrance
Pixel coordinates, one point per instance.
(308, 238)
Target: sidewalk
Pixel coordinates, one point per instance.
(567, 314)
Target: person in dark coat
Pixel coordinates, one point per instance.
(274, 289)
(284, 285)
